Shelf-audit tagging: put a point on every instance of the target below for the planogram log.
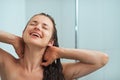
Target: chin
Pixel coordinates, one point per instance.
(32, 43)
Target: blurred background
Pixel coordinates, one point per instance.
(98, 27)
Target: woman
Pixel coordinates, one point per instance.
(40, 55)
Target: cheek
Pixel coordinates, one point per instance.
(49, 34)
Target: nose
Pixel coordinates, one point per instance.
(38, 27)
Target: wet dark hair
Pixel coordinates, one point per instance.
(54, 70)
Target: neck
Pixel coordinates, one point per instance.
(32, 58)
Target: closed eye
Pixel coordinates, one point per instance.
(45, 26)
(33, 23)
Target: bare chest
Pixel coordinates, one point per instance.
(16, 73)
(22, 76)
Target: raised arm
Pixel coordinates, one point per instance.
(6, 37)
(14, 40)
(88, 61)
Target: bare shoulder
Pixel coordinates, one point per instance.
(5, 56)
(8, 65)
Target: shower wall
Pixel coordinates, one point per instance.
(99, 29)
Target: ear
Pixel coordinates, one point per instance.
(51, 42)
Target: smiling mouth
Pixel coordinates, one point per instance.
(35, 34)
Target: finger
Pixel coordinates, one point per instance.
(46, 63)
(19, 53)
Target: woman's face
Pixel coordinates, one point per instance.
(39, 31)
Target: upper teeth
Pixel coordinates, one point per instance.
(35, 34)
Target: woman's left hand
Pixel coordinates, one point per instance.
(50, 55)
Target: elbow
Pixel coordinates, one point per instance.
(104, 59)
(101, 61)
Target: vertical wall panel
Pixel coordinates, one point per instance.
(99, 29)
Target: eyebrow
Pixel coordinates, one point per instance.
(34, 21)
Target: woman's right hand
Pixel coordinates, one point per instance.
(19, 46)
